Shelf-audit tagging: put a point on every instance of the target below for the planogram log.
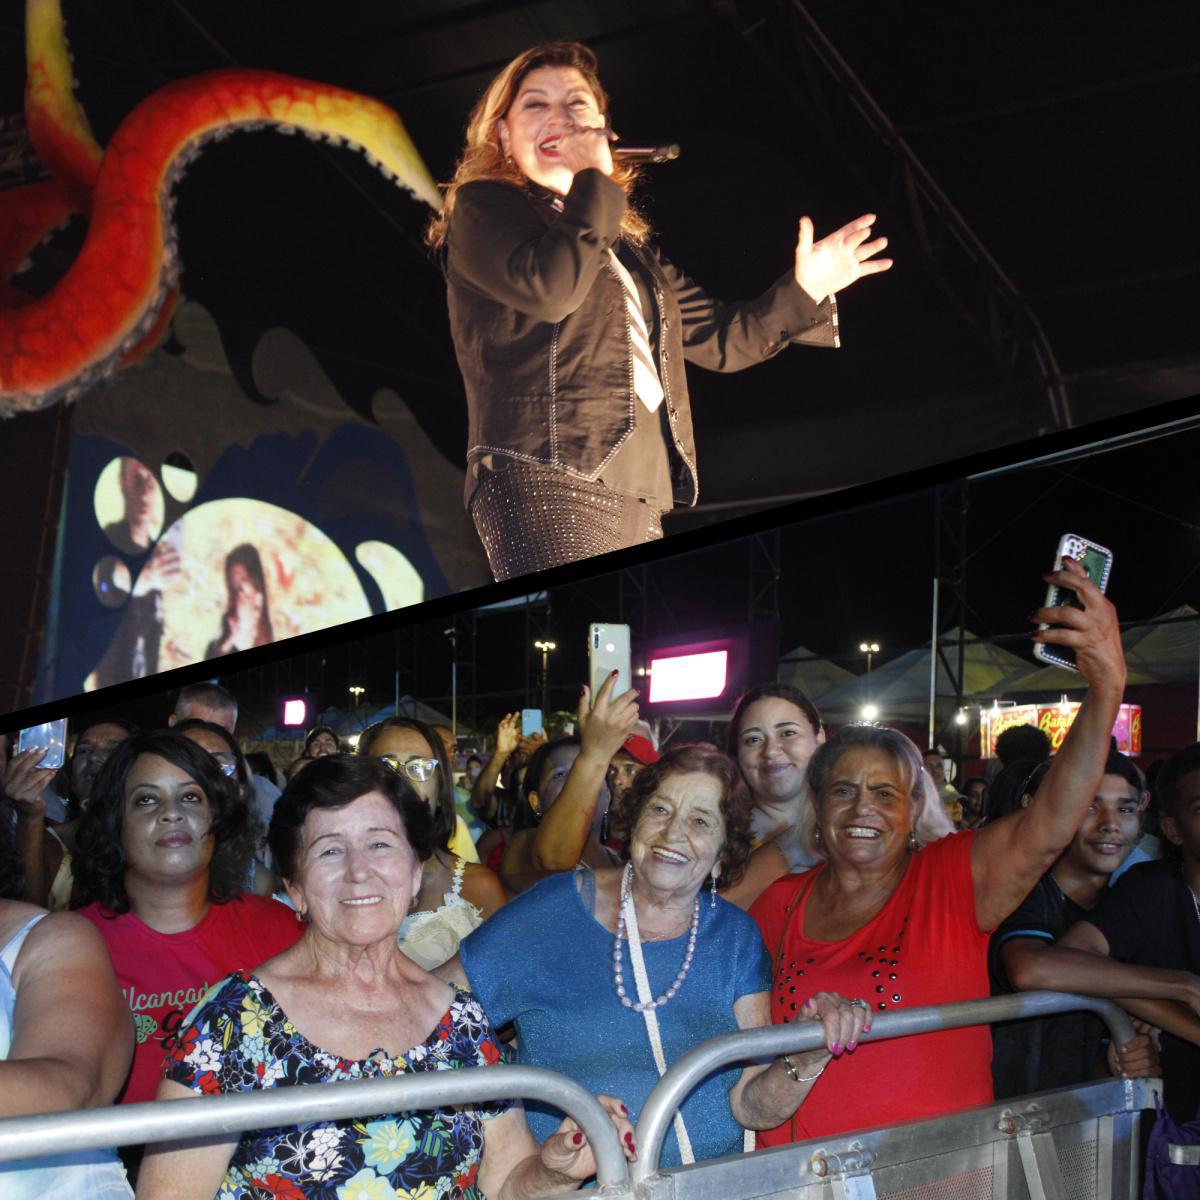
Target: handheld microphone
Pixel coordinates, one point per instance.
(654, 154)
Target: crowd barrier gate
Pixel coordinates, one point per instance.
(1076, 1143)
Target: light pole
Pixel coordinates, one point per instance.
(545, 648)
(870, 649)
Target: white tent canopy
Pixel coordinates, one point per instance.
(1166, 652)
(900, 688)
(815, 677)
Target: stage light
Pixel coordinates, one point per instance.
(960, 717)
(688, 676)
(869, 712)
(295, 712)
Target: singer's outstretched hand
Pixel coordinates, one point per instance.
(836, 261)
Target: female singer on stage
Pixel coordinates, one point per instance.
(246, 621)
(571, 330)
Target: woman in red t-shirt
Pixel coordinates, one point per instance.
(162, 857)
(899, 914)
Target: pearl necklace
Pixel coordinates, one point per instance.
(628, 918)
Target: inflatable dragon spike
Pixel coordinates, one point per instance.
(116, 298)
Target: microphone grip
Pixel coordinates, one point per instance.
(655, 154)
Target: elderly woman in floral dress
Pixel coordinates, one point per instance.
(349, 836)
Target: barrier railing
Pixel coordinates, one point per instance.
(688, 1070)
(168, 1120)
(1110, 1106)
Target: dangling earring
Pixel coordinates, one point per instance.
(712, 893)
(912, 842)
(816, 835)
(605, 822)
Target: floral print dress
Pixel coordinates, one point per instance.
(238, 1039)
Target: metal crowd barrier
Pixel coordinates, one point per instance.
(168, 1120)
(1076, 1143)
(1071, 1144)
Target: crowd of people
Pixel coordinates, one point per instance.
(595, 904)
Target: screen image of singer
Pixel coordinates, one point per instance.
(234, 574)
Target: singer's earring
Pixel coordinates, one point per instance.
(712, 894)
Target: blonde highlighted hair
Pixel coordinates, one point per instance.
(483, 158)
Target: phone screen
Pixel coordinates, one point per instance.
(51, 737)
(1095, 564)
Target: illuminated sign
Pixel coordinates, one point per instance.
(295, 712)
(688, 676)
(1054, 720)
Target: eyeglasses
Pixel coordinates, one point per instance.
(416, 768)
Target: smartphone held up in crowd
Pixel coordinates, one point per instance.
(608, 651)
(1097, 561)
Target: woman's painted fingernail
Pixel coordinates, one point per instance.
(851, 1046)
(629, 1139)
(577, 1139)
(624, 1111)
(835, 1049)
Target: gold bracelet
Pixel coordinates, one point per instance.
(795, 1075)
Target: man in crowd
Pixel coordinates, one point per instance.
(935, 768)
(638, 750)
(1033, 1056)
(218, 705)
(1141, 942)
(1022, 743)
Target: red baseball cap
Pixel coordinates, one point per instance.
(641, 748)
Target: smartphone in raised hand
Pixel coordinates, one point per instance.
(608, 651)
(51, 737)
(1097, 561)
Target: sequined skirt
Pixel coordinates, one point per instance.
(530, 518)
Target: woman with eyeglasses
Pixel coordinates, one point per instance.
(222, 745)
(457, 893)
(161, 857)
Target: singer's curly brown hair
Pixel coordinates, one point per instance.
(482, 157)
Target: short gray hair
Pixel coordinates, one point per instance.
(210, 696)
(932, 821)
